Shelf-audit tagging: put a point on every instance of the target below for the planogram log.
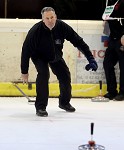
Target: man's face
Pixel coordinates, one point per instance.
(49, 18)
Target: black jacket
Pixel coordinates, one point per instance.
(45, 44)
(116, 26)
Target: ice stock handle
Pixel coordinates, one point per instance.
(100, 84)
(92, 127)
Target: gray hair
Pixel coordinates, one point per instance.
(46, 9)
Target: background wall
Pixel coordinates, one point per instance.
(12, 35)
(65, 9)
(85, 83)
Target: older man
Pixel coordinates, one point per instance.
(44, 44)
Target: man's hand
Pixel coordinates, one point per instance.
(25, 78)
(92, 65)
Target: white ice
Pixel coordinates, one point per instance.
(21, 129)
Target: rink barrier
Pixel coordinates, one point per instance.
(78, 90)
(13, 33)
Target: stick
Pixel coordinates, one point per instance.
(29, 100)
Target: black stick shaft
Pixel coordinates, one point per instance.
(100, 85)
(92, 128)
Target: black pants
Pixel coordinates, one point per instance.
(62, 73)
(113, 55)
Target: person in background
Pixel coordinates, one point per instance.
(115, 51)
(44, 44)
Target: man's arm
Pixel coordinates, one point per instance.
(78, 42)
(25, 56)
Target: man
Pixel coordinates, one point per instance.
(115, 50)
(44, 44)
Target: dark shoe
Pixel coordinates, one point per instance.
(110, 96)
(119, 97)
(67, 107)
(42, 113)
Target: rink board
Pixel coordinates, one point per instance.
(84, 83)
(78, 90)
